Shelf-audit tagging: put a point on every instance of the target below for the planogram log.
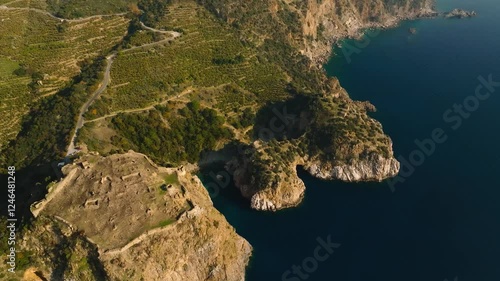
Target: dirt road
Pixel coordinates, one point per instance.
(105, 82)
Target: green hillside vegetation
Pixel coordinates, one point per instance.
(183, 138)
(272, 160)
(226, 70)
(33, 4)
(40, 55)
(152, 10)
(15, 97)
(220, 80)
(83, 8)
(54, 48)
(47, 128)
(208, 54)
(341, 131)
(143, 37)
(274, 27)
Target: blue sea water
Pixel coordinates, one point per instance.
(443, 221)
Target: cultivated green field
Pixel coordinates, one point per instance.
(85, 8)
(208, 54)
(55, 48)
(47, 54)
(15, 97)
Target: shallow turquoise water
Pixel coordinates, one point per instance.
(443, 221)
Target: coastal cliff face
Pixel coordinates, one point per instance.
(314, 26)
(334, 139)
(122, 217)
(325, 22)
(375, 168)
(287, 189)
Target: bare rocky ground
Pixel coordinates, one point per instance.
(122, 217)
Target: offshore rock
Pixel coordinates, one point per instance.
(460, 14)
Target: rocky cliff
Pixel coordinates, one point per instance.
(314, 26)
(460, 14)
(325, 22)
(374, 168)
(124, 218)
(287, 190)
(282, 189)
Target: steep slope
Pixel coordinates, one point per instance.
(311, 25)
(329, 135)
(144, 222)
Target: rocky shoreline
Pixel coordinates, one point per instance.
(320, 51)
(289, 191)
(266, 172)
(376, 168)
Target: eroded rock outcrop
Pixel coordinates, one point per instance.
(285, 189)
(328, 21)
(313, 26)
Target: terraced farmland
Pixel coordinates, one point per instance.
(50, 51)
(74, 8)
(33, 4)
(15, 96)
(208, 54)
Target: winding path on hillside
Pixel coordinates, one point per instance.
(79, 124)
(142, 109)
(105, 82)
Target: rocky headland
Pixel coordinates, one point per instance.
(331, 137)
(122, 217)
